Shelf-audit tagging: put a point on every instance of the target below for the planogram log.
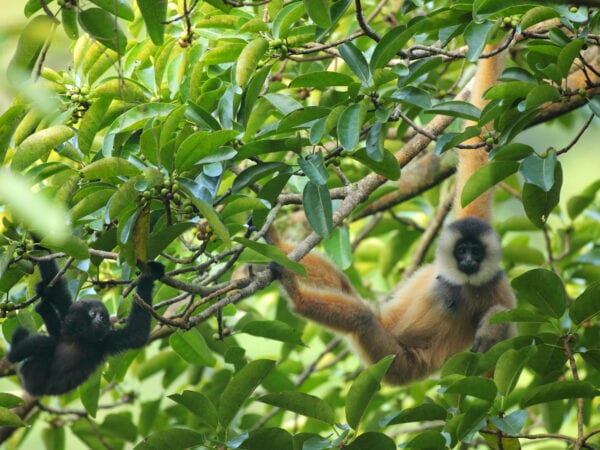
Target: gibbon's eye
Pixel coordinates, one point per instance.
(477, 253)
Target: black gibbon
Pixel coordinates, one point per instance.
(79, 337)
(443, 308)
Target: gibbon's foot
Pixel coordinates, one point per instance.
(18, 335)
(155, 270)
(277, 270)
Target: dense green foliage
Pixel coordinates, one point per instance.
(177, 121)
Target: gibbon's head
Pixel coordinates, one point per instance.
(86, 320)
(468, 252)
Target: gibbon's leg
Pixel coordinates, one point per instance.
(333, 309)
(487, 335)
(353, 317)
(25, 345)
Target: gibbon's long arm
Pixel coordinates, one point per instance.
(469, 160)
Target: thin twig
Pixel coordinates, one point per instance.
(572, 364)
(430, 233)
(578, 136)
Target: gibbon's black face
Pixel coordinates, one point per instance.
(469, 253)
(87, 319)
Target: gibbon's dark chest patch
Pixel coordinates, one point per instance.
(456, 298)
(451, 295)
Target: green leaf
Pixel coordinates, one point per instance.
(486, 177)
(39, 145)
(568, 54)
(427, 440)
(33, 6)
(476, 34)
(10, 419)
(90, 203)
(420, 413)
(419, 68)
(192, 347)
(372, 440)
(542, 289)
(387, 168)
(478, 387)
(578, 204)
(68, 19)
(413, 96)
(539, 95)
(464, 363)
(9, 121)
(592, 358)
(321, 80)
(473, 419)
(10, 401)
(36, 211)
(89, 392)
(390, 44)
(510, 91)
(29, 47)
(273, 329)
(273, 253)
(318, 208)
(348, 127)
(92, 123)
(268, 439)
(301, 403)
(540, 171)
(519, 315)
(357, 62)
(240, 387)
(338, 247)
(285, 18)
(489, 7)
(364, 388)
(119, 8)
(223, 53)
(249, 59)
(509, 367)
(302, 118)
(199, 405)
(133, 119)
(159, 240)
(154, 13)
(318, 11)
(103, 27)
(539, 204)
(510, 152)
(200, 145)
(109, 168)
(313, 167)
(454, 108)
(172, 439)
(122, 89)
(208, 212)
(537, 15)
(254, 173)
(587, 305)
(557, 391)
(374, 142)
(71, 245)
